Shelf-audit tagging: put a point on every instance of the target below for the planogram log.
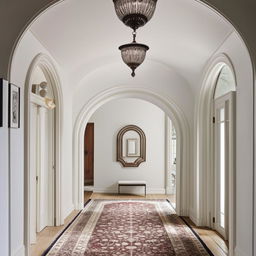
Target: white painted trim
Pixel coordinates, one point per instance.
(168, 153)
(194, 219)
(38, 100)
(19, 252)
(159, 191)
(46, 64)
(239, 252)
(88, 188)
(205, 148)
(227, 101)
(68, 211)
(167, 105)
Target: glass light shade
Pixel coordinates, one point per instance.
(135, 13)
(133, 54)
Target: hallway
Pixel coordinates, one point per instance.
(213, 241)
(146, 96)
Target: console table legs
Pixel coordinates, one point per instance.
(132, 185)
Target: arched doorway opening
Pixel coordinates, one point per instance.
(171, 110)
(42, 148)
(224, 151)
(216, 123)
(151, 161)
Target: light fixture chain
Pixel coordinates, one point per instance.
(134, 33)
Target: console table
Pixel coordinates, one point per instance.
(129, 183)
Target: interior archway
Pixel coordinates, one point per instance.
(107, 158)
(45, 65)
(174, 113)
(207, 150)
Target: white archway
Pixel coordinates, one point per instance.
(47, 66)
(168, 106)
(205, 149)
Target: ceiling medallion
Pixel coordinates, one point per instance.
(135, 14)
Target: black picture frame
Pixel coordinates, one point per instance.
(14, 106)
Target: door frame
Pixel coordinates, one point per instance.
(46, 64)
(205, 147)
(168, 161)
(230, 174)
(41, 107)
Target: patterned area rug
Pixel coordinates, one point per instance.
(130, 227)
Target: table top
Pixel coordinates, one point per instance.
(131, 182)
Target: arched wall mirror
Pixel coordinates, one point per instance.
(131, 146)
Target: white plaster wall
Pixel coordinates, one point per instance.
(4, 180)
(153, 76)
(109, 119)
(28, 49)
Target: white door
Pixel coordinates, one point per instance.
(224, 157)
(33, 165)
(42, 172)
(45, 180)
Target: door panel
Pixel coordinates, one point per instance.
(33, 171)
(89, 155)
(44, 179)
(44, 168)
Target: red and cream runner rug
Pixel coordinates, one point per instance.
(128, 228)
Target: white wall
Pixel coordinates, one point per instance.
(4, 174)
(28, 49)
(154, 76)
(244, 141)
(109, 119)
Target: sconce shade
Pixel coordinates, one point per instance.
(135, 13)
(133, 54)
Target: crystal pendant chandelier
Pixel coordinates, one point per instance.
(135, 14)
(133, 54)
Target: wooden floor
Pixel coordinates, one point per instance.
(214, 242)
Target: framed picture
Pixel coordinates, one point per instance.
(132, 147)
(14, 106)
(3, 102)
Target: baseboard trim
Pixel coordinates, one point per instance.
(239, 252)
(69, 211)
(159, 191)
(88, 188)
(19, 252)
(194, 219)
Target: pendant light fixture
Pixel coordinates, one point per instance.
(135, 14)
(133, 54)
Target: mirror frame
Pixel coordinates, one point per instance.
(142, 157)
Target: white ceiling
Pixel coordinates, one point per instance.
(183, 34)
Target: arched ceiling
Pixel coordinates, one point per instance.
(85, 33)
